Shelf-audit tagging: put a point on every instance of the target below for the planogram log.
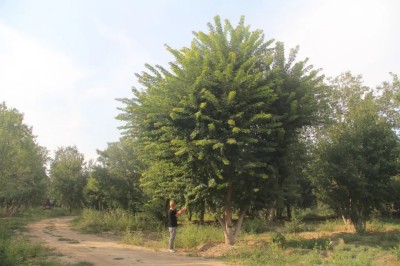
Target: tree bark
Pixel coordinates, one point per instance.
(231, 231)
(202, 212)
(289, 211)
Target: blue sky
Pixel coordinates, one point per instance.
(64, 62)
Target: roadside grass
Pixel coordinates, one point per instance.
(142, 229)
(322, 243)
(191, 236)
(300, 242)
(16, 249)
(116, 220)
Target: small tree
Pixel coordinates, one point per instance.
(68, 177)
(116, 180)
(356, 158)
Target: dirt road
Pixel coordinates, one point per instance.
(76, 247)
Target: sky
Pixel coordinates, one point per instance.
(63, 63)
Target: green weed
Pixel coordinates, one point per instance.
(278, 239)
(254, 226)
(396, 251)
(117, 220)
(272, 256)
(295, 225)
(189, 236)
(328, 225)
(135, 238)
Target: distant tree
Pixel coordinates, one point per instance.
(394, 205)
(208, 129)
(97, 190)
(116, 179)
(68, 176)
(357, 155)
(22, 163)
(389, 101)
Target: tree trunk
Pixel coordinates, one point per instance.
(231, 231)
(271, 214)
(190, 214)
(279, 213)
(358, 220)
(289, 211)
(202, 212)
(360, 225)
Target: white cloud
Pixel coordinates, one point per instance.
(41, 83)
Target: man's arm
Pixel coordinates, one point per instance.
(181, 212)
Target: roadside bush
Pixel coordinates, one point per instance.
(117, 220)
(295, 225)
(396, 251)
(329, 225)
(254, 226)
(278, 239)
(18, 251)
(192, 235)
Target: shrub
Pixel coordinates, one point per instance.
(396, 251)
(192, 235)
(117, 220)
(254, 226)
(278, 239)
(295, 225)
(328, 225)
(17, 251)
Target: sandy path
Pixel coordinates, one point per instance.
(76, 247)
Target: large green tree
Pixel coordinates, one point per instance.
(356, 155)
(208, 127)
(68, 174)
(22, 163)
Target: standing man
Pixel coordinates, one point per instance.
(173, 223)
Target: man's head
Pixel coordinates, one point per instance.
(172, 204)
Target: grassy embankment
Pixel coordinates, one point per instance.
(300, 242)
(17, 249)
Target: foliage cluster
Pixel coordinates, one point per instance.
(22, 163)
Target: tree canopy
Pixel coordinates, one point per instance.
(68, 174)
(22, 163)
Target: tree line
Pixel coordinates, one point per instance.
(234, 126)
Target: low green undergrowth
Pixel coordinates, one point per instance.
(190, 236)
(135, 228)
(322, 243)
(299, 242)
(344, 254)
(117, 220)
(254, 226)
